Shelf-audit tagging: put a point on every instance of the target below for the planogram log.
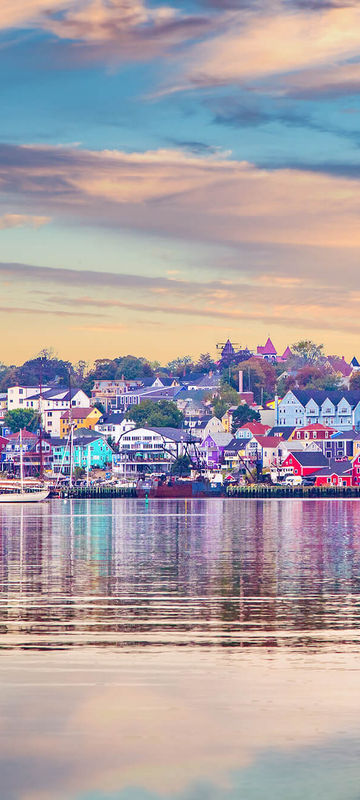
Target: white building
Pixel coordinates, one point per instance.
(151, 450)
(114, 425)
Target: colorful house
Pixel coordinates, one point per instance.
(315, 431)
(305, 463)
(78, 418)
(212, 448)
(344, 444)
(250, 429)
(337, 473)
(88, 452)
(267, 351)
(338, 409)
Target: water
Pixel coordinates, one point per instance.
(177, 650)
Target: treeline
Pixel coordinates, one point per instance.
(308, 368)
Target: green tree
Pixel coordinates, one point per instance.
(21, 418)
(242, 415)
(180, 366)
(355, 381)
(164, 414)
(205, 363)
(307, 352)
(181, 467)
(219, 408)
(98, 404)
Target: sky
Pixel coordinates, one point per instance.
(174, 173)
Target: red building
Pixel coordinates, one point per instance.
(337, 473)
(255, 428)
(305, 463)
(315, 431)
(356, 471)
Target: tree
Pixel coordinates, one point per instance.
(21, 418)
(226, 396)
(205, 363)
(45, 366)
(99, 406)
(181, 467)
(242, 415)
(180, 366)
(259, 377)
(164, 414)
(355, 381)
(307, 352)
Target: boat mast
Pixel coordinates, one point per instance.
(21, 462)
(41, 469)
(71, 435)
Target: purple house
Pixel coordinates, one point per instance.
(341, 445)
(212, 448)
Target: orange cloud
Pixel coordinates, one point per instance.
(170, 192)
(255, 48)
(20, 220)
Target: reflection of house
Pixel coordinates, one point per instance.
(151, 450)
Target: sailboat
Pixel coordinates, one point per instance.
(26, 494)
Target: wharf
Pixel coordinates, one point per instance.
(265, 490)
(93, 492)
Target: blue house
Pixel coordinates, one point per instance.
(88, 452)
(299, 407)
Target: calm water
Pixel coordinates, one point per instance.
(204, 650)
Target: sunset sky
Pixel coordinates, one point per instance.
(172, 174)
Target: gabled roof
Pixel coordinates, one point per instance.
(235, 445)
(176, 434)
(310, 458)
(267, 349)
(285, 431)
(315, 426)
(339, 365)
(220, 439)
(319, 396)
(346, 435)
(268, 441)
(113, 418)
(286, 354)
(77, 413)
(336, 468)
(256, 428)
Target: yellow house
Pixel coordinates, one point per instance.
(227, 419)
(80, 418)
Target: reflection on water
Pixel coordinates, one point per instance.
(220, 572)
(198, 650)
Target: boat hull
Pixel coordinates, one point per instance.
(185, 489)
(24, 497)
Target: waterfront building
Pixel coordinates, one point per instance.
(305, 463)
(89, 451)
(337, 473)
(145, 450)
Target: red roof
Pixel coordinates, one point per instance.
(257, 428)
(25, 435)
(268, 349)
(340, 365)
(268, 441)
(316, 426)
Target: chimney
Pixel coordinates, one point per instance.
(241, 381)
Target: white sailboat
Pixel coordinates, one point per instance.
(26, 493)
